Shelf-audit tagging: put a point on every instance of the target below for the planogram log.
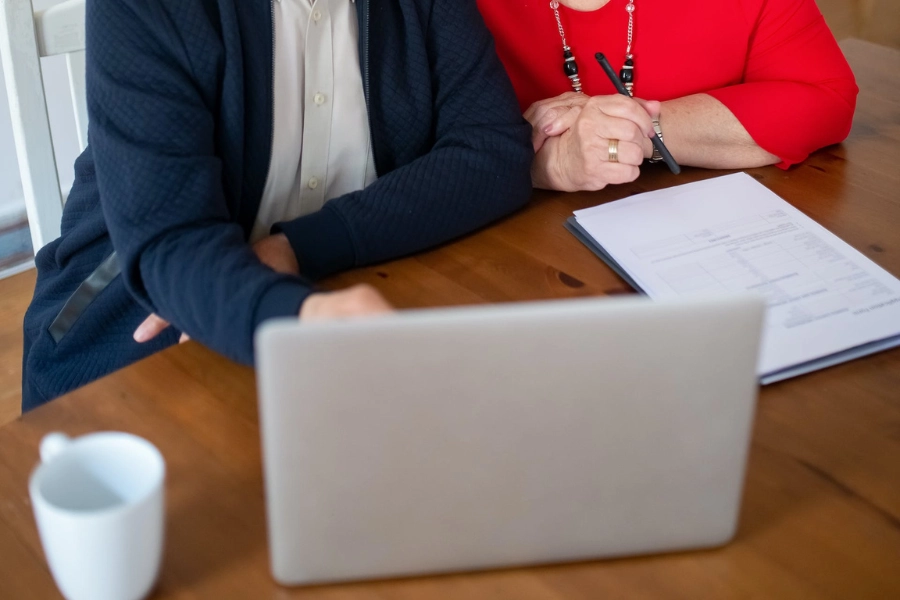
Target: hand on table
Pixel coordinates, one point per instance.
(356, 301)
(273, 251)
(586, 143)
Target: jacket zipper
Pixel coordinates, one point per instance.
(365, 68)
(272, 88)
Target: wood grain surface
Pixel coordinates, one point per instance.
(16, 294)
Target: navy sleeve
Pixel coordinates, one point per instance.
(478, 169)
(152, 135)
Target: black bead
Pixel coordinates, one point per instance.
(567, 53)
(626, 75)
(570, 68)
(629, 62)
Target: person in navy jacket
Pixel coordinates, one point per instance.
(187, 117)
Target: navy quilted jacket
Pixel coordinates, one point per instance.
(180, 105)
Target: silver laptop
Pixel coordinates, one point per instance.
(470, 438)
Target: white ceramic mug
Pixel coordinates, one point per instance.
(98, 503)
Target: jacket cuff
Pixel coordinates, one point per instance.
(320, 241)
(281, 300)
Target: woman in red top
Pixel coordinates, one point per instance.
(733, 84)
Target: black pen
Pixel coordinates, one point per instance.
(657, 143)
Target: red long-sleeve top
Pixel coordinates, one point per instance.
(773, 63)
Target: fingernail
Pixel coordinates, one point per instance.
(548, 128)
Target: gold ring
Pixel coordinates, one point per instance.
(613, 151)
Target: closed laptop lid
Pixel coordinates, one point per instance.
(454, 439)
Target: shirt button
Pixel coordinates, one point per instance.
(317, 15)
(319, 99)
(313, 183)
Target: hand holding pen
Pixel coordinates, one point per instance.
(586, 142)
(654, 139)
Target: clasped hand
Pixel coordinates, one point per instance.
(275, 252)
(572, 133)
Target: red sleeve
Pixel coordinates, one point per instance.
(798, 92)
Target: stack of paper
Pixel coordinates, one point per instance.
(827, 303)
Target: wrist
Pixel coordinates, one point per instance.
(287, 252)
(655, 156)
(546, 173)
(539, 179)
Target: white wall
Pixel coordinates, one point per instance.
(62, 125)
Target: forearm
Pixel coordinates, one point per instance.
(160, 183)
(215, 291)
(453, 189)
(700, 131)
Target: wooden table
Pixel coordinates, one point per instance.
(821, 513)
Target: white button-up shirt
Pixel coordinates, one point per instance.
(320, 146)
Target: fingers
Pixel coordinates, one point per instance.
(598, 171)
(640, 112)
(536, 111)
(600, 174)
(610, 117)
(652, 107)
(150, 328)
(363, 299)
(590, 163)
(564, 165)
(356, 301)
(615, 173)
(275, 252)
(544, 113)
(606, 118)
(591, 137)
(620, 107)
(555, 122)
(601, 130)
(627, 153)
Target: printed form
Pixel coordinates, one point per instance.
(732, 234)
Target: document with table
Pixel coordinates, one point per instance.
(827, 303)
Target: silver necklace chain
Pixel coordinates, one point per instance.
(562, 32)
(630, 9)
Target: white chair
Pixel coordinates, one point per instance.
(25, 37)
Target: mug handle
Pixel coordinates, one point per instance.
(53, 444)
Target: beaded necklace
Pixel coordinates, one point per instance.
(570, 67)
